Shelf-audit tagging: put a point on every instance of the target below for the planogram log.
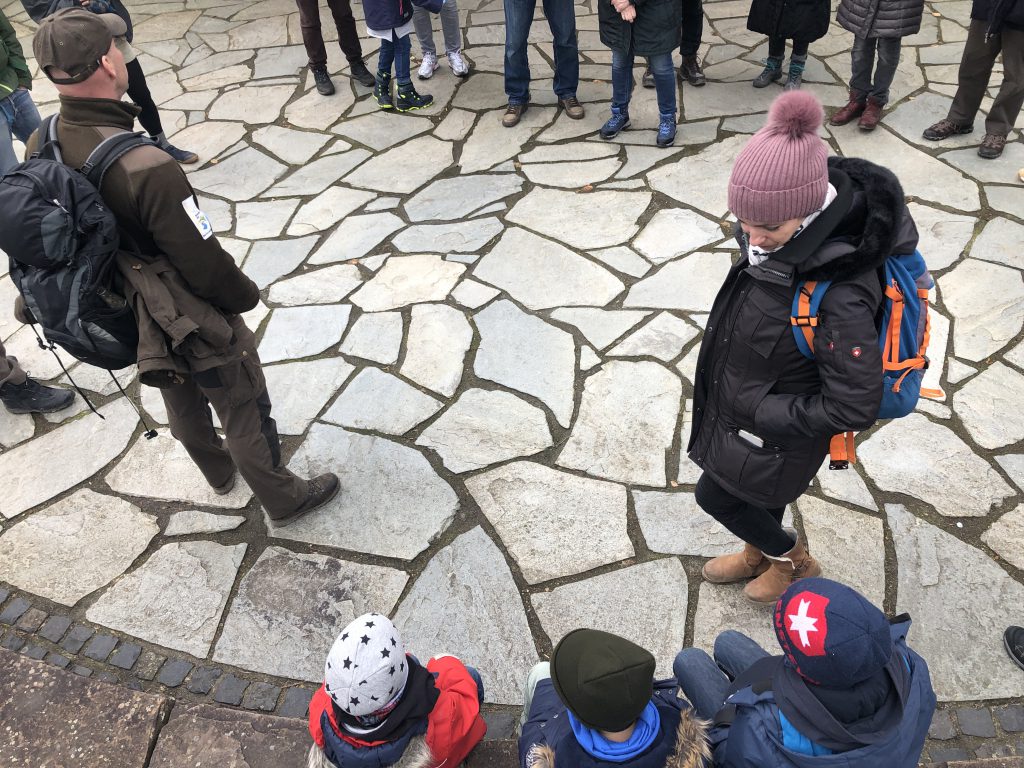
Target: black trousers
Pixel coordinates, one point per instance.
(777, 47)
(312, 34)
(976, 69)
(139, 93)
(693, 27)
(757, 526)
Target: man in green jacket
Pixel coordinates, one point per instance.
(18, 114)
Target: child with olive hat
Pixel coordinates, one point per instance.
(597, 703)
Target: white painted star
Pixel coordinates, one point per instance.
(802, 623)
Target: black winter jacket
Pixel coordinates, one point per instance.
(40, 9)
(655, 30)
(999, 13)
(792, 19)
(750, 374)
(881, 18)
(388, 14)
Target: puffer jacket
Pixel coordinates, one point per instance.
(792, 19)
(185, 289)
(547, 739)
(751, 375)
(881, 18)
(655, 30)
(14, 72)
(40, 9)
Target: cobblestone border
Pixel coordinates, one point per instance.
(45, 631)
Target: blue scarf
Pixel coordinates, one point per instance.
(594, 744)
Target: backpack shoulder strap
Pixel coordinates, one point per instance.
(804, 313)
(108, 152)
(47, 144)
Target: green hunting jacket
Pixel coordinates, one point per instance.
(13, 68)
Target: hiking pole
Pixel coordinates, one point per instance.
(53, 350)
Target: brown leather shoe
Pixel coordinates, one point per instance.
(872, 114)
(991, 146)
(740, 566)
(572, 107)
(513, 114)
(852, 110)
(322, 489)
(691, 71)
(795, 564)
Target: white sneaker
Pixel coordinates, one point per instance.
(428, 66)
(458, 64)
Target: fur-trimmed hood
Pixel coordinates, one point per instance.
(417, 755)
(691, 746)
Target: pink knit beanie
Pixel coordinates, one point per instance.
(782, 172)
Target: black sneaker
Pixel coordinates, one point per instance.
(382, 90)
(408, 99)
(33, 397)
(322, 489)
(1013, 642)
(324, 86)
(361, 74)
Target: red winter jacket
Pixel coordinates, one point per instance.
(454, 726)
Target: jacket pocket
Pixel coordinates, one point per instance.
(756, 470)
(759, 331)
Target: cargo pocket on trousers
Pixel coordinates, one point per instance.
(754, 469)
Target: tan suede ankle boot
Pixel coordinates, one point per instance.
(726, 569)
(783, 571)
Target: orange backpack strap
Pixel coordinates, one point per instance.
(842, 451)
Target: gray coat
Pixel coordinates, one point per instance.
(881, 18)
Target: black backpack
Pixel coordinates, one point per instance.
(62, 240)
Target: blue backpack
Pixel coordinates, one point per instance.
(902, 337)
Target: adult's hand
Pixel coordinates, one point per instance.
(620, 5)
(629, 13)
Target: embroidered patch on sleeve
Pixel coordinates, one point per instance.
(856, 351)
(199, 219)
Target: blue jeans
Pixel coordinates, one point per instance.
(561, 15)
(664, 80)
(19, 118)
(396, 51)
(705, 683)
(479, 682)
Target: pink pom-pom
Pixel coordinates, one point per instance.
(796, 113)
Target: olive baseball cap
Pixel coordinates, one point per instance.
(74, 40)
(603, 679)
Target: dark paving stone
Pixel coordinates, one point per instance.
(34, 651)
(942, 727)
(1011, 718)
(81, 671)
(14, 609)
(261, 696)
(296, 702)
(255, 741)
(58, 660)
(100, 647)
(49, 714)
(4, 594)
(976, 722)
(125, 656)
(173, 673)
(493, 754)
(148, 666)
(31, 620)
(229, 690)
(950, 754)
(994, 750)
(107, 677)
(76, 639)
(54, 628)
(202, 680)
(12, 641)
(501, 724)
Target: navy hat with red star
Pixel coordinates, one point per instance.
(366, 668)
(831, 634)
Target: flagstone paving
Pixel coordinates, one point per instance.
(491, 336)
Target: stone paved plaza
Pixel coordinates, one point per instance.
(490, 335)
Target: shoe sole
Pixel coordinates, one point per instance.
(412, 109)
(667, 144)
(648, 86)
(867, 128)
(961, 132)
(1010, 653)
(286, 521)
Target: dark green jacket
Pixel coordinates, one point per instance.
(13, 69)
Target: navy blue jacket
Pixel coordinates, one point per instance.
(755, 738)
(387, 14)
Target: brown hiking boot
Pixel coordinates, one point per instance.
(852, 110)
(795, 564)
(991, 146)
(572, 107)
(690, 70)
(322, 489)
(946, 128)
(226, 487)
(740, 566)
(872, 114)
(513, 114)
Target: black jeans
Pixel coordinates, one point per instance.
(313, 36)
(139, 93)
(757, 526)
(693, 26)
(777, 47)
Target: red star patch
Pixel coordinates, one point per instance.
(856, 351)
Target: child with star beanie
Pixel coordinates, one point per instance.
(378, 706)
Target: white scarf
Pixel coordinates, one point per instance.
(757, 255)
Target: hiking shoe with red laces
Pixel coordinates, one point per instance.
(946, 128)
(991, 146)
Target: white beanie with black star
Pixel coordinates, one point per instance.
(366, 668)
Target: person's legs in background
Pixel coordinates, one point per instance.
(980, 54)
(1006, 106)
(8, 157)
(382, 83)
(703, 684)
(797, 63)
(407, 99)
(561, 16)
(735, 652)
(422, 24)
(453, 38)
(138, 92)
(540, 671)
(773, 64)
(622, 91)
(692, 32)
(348, 40)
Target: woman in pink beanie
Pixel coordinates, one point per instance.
(763, 413)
